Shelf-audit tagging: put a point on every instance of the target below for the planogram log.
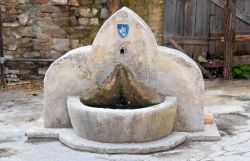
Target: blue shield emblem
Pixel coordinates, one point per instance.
(123, 30)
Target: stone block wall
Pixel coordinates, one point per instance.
(47, 29)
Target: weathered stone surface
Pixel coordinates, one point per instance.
(94, 12)
(43, 133)
(59, 2)
(210, 133)
(31, 21)
(42, 71)
(60, 45)
(56, 21)
(65, 21)
(53, 54)
(166, 71)
(94, 21)
(10, 24)
(17, 36)
(87, 12)
(29, 31)
(11, 47)
(7, 31)
(53, 30)
(21, 1)
(25, 43)
(11, 8)
(104, 13)
(23, 19)
(156, 122)
(9, 71)
(221, 94)
(74, 44)
(46, 21)
(43, 44)
(61, 14)
(84, 21)
(43, 1)
(84, 2)
(33, 54)
(48, 8)
(64, 8)
(9, 43)
(73, 3)
(9, 54)
(24, 71)
(100, 1)
(41, 37)
(9, 18)
(3, 9)
(79, 32)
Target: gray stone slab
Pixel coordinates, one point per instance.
(38, 132)
(210, 133)
(70, 139)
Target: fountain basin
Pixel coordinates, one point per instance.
(122, 126)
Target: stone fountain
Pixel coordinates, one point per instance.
(124, 93)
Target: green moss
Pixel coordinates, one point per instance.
(2, 85)
(101, 21)
(93, 32)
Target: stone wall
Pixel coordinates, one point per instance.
(47, 29)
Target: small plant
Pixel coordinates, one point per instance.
(241, 71)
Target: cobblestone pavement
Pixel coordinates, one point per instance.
(229, 100)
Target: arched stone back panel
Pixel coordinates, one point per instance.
(163, 70)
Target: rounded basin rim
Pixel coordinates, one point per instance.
(77, 104)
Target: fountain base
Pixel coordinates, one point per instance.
(70, 139)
